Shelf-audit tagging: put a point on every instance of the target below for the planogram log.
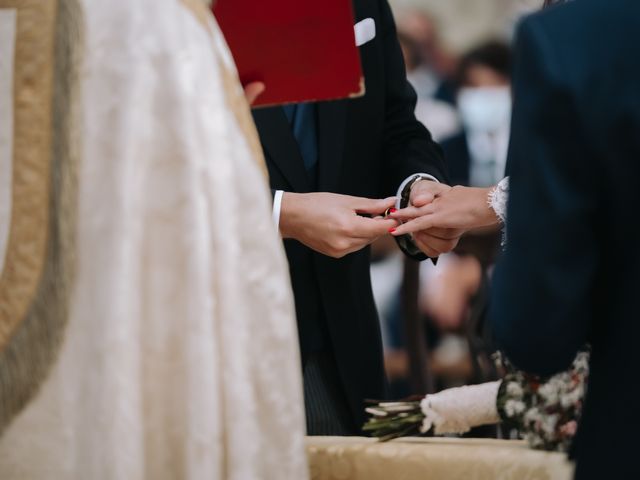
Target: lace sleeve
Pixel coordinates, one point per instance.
(498, 199)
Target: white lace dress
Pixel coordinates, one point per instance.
(180, 359)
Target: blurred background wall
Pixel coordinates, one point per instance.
(464, 23)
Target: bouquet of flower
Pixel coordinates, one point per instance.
(455, 410)
(545, 412)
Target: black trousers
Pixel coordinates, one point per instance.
(327, 410)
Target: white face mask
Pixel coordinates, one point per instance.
(485, 109)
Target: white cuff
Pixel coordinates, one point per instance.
(426, 176)
(277, 206)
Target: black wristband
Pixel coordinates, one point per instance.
(405, 195)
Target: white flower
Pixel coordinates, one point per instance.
(533, 415)
(572, 397)
(549, 391)
(514, 407)
(514, 389)
(581, 363)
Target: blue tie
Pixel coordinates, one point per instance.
(302, 118)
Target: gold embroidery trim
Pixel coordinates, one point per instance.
(26, 248)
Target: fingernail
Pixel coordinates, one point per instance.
(392, 230)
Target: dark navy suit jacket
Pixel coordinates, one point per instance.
(456, 151)
(571, 271)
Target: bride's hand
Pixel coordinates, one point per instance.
(450, 213)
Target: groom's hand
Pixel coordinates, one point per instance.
(332, 224)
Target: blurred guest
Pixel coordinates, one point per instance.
(438, 116)
(434, 75)
(477, 156)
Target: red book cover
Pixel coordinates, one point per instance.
(301, 50)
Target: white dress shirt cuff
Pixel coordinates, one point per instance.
(277, 206)
(425, 176)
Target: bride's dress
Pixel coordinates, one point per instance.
(180, 356)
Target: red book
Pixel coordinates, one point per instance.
(301, 50)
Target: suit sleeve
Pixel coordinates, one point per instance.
(408, 146)
(541, 306)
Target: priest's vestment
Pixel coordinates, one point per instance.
(146, 319)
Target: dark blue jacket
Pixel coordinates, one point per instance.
(571, 271)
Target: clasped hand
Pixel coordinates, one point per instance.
(438, 215)
(336, 225)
